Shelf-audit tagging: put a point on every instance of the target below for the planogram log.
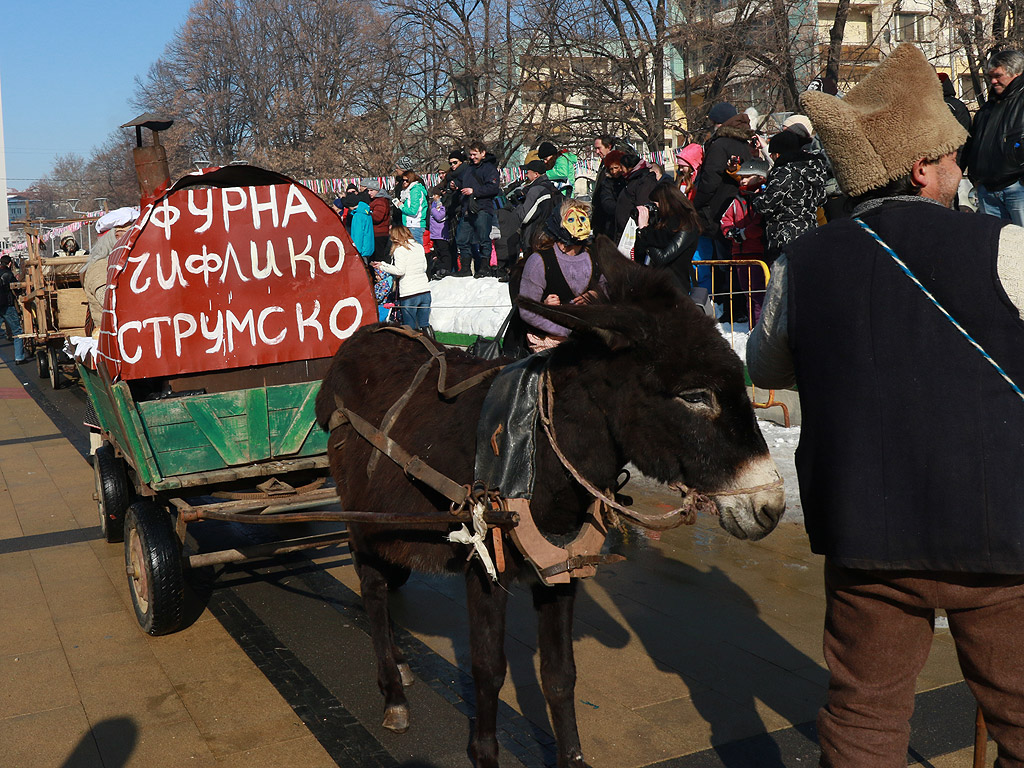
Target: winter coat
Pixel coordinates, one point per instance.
(362, 229)
(791, 198)
(410, 267)
(670, 250)
(564, 168)
(413, 204)
(637, 191)
(716, 188)
(994, 153)
(957, 107)
(482, 178)
(742, 216)
(891, 476)
(7, 298)
(380, 213)
(439, 221)
(605, 197)
(540, 198)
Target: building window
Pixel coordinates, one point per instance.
(910, 27)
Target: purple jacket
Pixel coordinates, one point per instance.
(438, 222)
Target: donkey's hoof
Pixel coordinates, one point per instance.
(396, 718)
(406, 674)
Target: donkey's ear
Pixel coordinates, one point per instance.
(616, 327)
(615, 267)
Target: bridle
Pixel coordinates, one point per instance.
(693, 501)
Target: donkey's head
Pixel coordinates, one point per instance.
(671, 390)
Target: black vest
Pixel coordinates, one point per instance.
(912, 447)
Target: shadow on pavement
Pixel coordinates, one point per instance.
(115, 739)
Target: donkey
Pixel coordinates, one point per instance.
(644, 377)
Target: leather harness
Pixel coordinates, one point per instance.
(554, 564)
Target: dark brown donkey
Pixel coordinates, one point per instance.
(645, 378)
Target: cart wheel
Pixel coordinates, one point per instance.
(112, 493)
(42, 363)
(56, 377)
(153, 560)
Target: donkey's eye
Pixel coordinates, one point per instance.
(699, 399)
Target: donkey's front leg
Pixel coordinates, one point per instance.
(486, 601)
(374, 587)
(554, 606)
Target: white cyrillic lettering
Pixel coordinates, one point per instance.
(131, 325)
(323, 254)
(259, 326)
(217, 334)
(204, 264)
(228, 208)
(309, 322)
(258, 207)
(141, 260)
(296, 203)
(303, 256)
(180, 318)
(207, 212)
(234, 324)
(169, 281)
(164, 215)
(351, 301)
(264, 272)
(157, 340)
(230, 257)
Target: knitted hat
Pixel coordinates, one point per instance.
(786, 142)
(546, 150)
(888, 121)
(457, 154)
(691, 154)
(721, 112)
(537, 166)
(799, 121)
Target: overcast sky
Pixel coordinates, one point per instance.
(67, 71)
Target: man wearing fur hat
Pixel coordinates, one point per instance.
(911, 490)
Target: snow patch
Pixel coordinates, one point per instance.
(468, 305)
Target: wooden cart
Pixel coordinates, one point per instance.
(53, 307)
(224, 305)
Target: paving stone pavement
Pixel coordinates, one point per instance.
(700, 650)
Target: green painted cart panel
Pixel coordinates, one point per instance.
(199, 433)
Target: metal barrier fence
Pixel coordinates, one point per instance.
(738, 286)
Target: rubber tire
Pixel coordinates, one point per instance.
(159, 600)
(56, 377)
(113, 493)
(42, 363)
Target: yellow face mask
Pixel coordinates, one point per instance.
(577, 223)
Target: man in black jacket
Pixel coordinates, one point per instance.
(995, 150)
(9, 307)
(539, 199)
(915, 505)
(481, 186)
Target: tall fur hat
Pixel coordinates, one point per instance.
(892, 118)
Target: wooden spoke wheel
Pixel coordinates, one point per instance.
(152, 559)
(56, 377)
(112, 492)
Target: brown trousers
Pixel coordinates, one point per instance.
(878, 631)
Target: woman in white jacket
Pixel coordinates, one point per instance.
(410, 267)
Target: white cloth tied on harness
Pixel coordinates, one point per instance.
(476, 540)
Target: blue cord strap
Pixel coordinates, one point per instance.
(942, 309)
